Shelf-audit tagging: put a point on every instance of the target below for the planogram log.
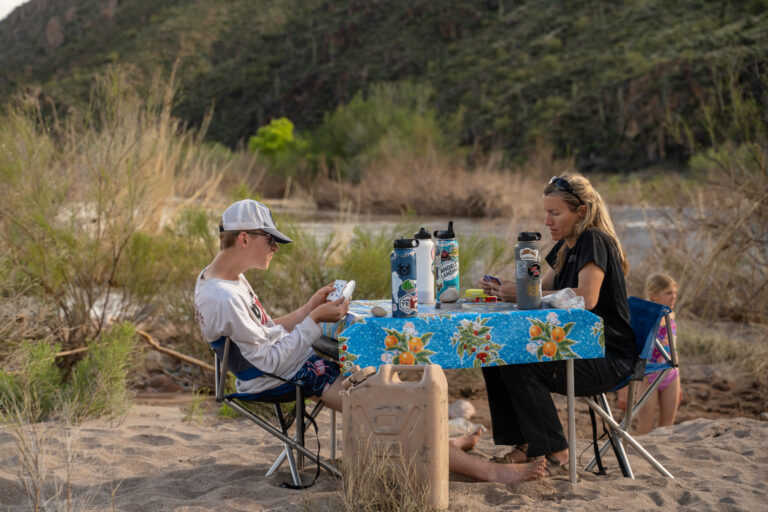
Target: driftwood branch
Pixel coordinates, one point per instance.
(154, 344)
(178, 355)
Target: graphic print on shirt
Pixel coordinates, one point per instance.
(257, 309)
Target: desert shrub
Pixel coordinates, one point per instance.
(34, 388)
(84, 195)
(716, 243)
(390, 119)
(277, 144)
(98, 382)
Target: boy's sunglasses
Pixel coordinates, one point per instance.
(562, 184)
(270, 239)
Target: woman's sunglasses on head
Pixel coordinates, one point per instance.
(562, 184)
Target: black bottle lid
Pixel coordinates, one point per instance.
(447, 234)
(528, 236)
(405, 243)
(422, 235)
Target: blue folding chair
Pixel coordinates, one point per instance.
(227, 357)
(645, 319)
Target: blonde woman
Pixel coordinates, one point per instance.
(588, 258)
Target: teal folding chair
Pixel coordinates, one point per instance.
(227, 357)
(645, 319)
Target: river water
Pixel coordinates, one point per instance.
(630, 223)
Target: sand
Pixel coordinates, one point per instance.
(153, 460)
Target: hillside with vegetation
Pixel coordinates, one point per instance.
(603, 82)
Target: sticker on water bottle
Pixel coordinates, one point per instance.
(521, 269)
(448, 270)
(529, 254)
(534, 271)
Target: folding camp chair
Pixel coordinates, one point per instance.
(645, 318)
(227, 357)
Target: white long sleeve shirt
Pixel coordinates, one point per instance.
(231, 308)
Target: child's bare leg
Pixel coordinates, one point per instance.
(647, 414)
(621, 399)
(668, 401)
(464, 464)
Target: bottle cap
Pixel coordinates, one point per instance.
(444, 235)
(405, 243)
(423, 234)
(528, 236)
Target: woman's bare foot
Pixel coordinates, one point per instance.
(466, 442)
(507, 473)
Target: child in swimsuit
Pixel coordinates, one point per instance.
(661, 288)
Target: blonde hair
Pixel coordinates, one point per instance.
(657, 283)
(596, 216)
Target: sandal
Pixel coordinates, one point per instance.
(555, 468)
(508, 458)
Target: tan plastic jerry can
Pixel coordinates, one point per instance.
(401, 424)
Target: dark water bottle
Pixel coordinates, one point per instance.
(403, 264)
(528, 270)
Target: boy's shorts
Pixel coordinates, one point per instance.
(316, 375)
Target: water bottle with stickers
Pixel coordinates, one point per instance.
(447, 265)
(403, 265)
(528, 270)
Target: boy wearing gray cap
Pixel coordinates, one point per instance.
(227, 306)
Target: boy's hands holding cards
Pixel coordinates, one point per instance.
(333, 301)
(342, 288)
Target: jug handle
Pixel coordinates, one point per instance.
(425, 369)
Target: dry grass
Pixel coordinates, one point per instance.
(716, 342)
(435, 184)
(376, 483)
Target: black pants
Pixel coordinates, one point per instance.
(521, 406)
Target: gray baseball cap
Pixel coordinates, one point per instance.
(248, 215)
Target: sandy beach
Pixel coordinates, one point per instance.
(154, 460)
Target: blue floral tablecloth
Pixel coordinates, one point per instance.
(469, 336)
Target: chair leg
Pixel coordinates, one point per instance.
(333, 434)
(621, 454)
(631, 440)
(281, 458)
(300, 421)
(282, 437)
(287, 450)
(630, 413)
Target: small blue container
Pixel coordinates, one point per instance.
(403, 264)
